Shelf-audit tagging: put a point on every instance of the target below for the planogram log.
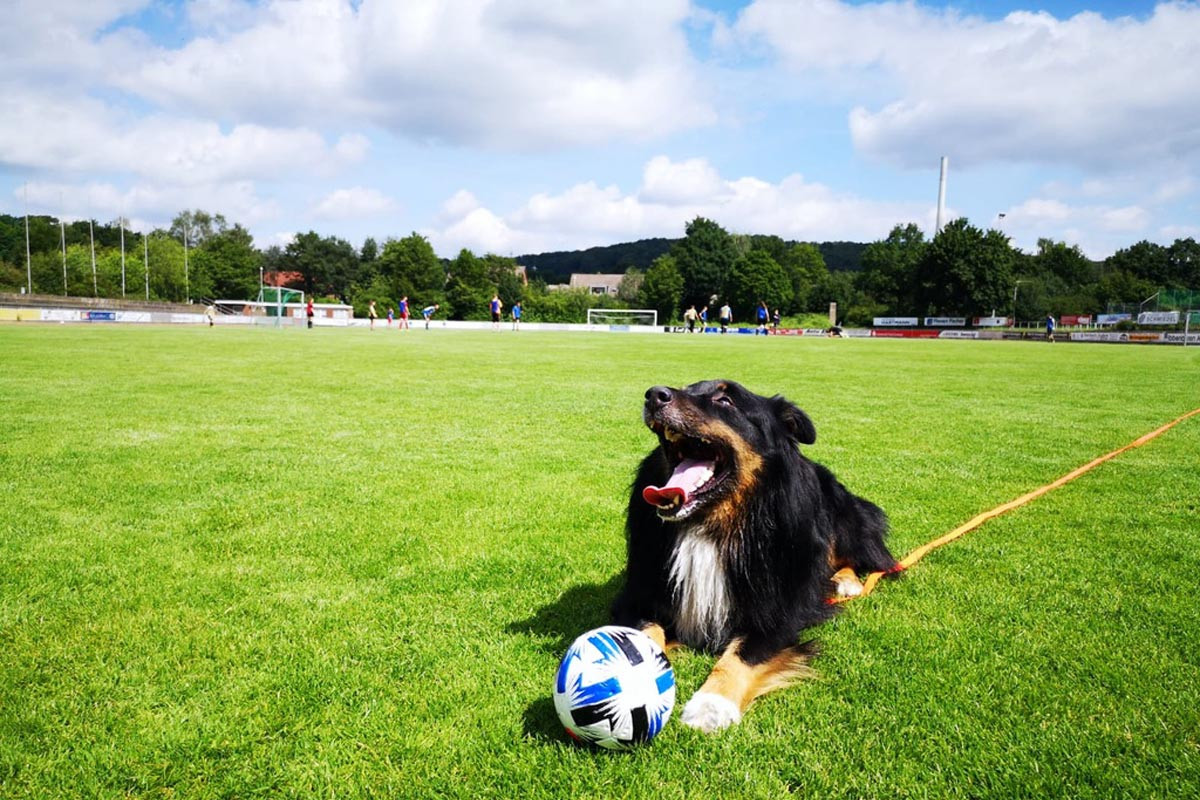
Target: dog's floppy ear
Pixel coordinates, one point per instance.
(796, 421)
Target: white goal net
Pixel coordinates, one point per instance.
(622, 316)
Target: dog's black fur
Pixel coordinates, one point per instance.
(775, 526)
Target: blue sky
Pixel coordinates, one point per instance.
(517, 126)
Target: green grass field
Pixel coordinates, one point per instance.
(336, 563)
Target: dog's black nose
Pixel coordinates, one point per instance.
(658, 396)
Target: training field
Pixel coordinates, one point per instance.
(341, 563)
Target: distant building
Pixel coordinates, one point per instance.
(602, 283)
(283, 278)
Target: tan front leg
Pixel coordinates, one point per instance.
(656, 632)
(733, 685)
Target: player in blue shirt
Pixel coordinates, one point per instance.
(496, 306)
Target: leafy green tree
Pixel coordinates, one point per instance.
(467, 289)
(412, 269)
(1118, 287)
(889, 268)
(1145, 260)
(757, 277)
(563, 305)
(805, 268)
(198, 225)
(772, 245)
(631, 285)
(166, 267)
(327, 265)
(226, 265)
(1066, 263)
(502, 275)
(1183, 264)
(837, 286)
(703, 259)
(965, 271)
(662, 288)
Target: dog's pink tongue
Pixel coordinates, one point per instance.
(689, 476)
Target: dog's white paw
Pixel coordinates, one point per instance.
(710, 712)
(849, 588)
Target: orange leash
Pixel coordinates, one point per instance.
(916, 555)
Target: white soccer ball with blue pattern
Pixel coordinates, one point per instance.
(615, 688)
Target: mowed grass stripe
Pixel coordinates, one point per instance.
(239, 562)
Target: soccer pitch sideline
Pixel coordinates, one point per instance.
(291, 563)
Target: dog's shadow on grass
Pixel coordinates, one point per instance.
(553, 627)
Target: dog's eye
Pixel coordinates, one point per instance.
(723, 400)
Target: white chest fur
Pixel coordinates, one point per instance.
(701, 591)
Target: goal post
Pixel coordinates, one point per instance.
(622, 316)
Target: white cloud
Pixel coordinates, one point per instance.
(515, 74)
(669, 183)
(150, 204)
(1088, 91)
(1098, 228)
(354, 202)
(587, 214)
(81, 135)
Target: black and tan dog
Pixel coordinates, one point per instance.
(737, 542)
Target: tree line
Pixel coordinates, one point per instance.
(960, 271)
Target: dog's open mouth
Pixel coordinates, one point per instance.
(698, 468)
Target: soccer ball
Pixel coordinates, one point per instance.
(615, 688)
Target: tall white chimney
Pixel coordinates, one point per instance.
(941, 210)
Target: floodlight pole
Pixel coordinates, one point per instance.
(187, 284)
(92, 236)
(146, 261)
(28, 257)
(1016, 286)
(62, 230)
(121, 222)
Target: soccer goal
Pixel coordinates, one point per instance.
(622, 316)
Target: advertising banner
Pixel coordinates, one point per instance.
(1140, 337)
(1158, 318)
(1112, 319)
(98, 316)
(991, 322)
(1177, 338)
(896, 322)
(133, 316)
(958, 335)
(945, 322)
(909, 334)
(1076, 319)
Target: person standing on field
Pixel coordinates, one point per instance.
(690, 317)
(725, 317)
(371, 314)
(496, 307)
(308, 312)
(1050, 327)
(516, 315)
(402, 325)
